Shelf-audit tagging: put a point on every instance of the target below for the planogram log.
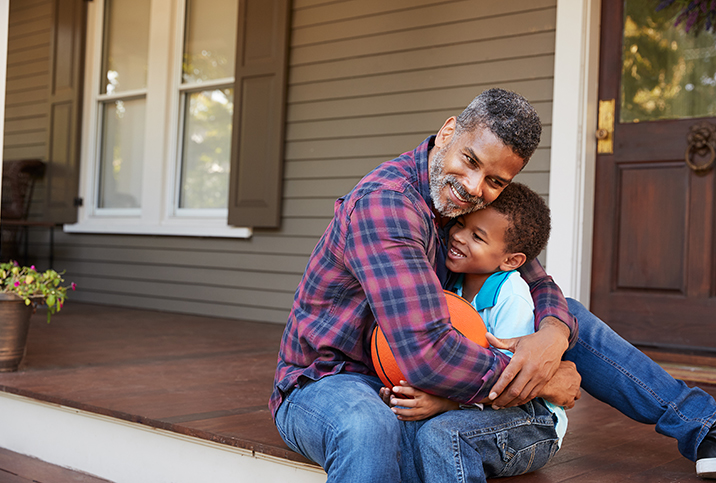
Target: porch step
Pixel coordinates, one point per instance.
(15, 467)
(690, 373)
(125, 452)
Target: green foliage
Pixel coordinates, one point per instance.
(666, 73)
(34, 287)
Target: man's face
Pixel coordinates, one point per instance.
(469, 170)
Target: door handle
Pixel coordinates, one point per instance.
(701, 139)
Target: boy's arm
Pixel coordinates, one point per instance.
(415, 404)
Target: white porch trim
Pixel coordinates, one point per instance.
(125, 452)
(573, 151)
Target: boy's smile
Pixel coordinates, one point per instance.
(477, 242)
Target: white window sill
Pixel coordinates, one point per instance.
(201, 228)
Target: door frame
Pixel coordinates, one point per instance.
(573, 146)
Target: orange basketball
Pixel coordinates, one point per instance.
(465, 320)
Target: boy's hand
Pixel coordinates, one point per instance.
(535, 361)
(421, 406)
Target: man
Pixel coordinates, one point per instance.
(381, 260)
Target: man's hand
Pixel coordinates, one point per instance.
(417, 404)
(563, 389)
(536, 359)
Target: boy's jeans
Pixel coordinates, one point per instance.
(470, 445)
(340, 422)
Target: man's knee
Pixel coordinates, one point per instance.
(361, 424)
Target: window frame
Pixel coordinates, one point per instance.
(159, 213)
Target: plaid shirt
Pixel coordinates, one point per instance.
(382, 260)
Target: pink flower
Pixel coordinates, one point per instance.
(74, 286)
(17, 284)
(32, 267)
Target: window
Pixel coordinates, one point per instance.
(158, 142)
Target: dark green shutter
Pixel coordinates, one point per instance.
(65, 105)
(259, 113)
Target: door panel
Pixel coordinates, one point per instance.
(650, 228)
(654, 263)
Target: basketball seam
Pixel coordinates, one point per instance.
(380, 361)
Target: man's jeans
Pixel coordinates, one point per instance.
(341, 423)
(614, 372)
(470, 445)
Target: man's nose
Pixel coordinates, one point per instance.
(475, 184)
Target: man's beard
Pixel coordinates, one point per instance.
(439, 181)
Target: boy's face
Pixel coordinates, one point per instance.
(477, 242)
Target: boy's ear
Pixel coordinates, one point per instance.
(513, 261)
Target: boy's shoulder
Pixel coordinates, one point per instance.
(511, 284)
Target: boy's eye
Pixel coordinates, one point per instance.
(460, 222)
(476, 237)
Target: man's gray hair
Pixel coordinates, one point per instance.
(508, 115)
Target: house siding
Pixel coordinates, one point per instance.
(368, 80)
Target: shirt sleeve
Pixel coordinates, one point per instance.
(548, 299)
(387, 249)
(512, 317)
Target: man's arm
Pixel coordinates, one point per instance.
(537, 356)
(387, 244)
(548, 299)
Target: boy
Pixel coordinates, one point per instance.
(487, 246)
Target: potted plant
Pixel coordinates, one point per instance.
(22, 289)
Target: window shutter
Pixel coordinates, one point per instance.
(259, 113)
(65, 98)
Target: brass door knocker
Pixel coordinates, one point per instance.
(701, 139)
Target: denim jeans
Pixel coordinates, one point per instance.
(470, 445)
(617, 373)
(341, 423)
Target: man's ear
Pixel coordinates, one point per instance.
(446, 133)
(513, 261)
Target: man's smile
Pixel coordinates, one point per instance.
(457, 194)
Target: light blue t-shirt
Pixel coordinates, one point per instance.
(505, 304)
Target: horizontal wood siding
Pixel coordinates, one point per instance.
(369, 79)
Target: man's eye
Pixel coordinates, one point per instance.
(470, 160)
(496, 182)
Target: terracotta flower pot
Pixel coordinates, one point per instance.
(14, 325)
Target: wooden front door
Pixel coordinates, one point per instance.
(654, 262)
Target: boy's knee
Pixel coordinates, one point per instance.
(435, 433)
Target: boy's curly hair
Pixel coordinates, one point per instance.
(529, 219)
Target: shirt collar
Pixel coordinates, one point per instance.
(423, 167)
(490, 291)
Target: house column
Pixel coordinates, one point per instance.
(573, 148)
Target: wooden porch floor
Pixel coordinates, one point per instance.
(211, 378)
